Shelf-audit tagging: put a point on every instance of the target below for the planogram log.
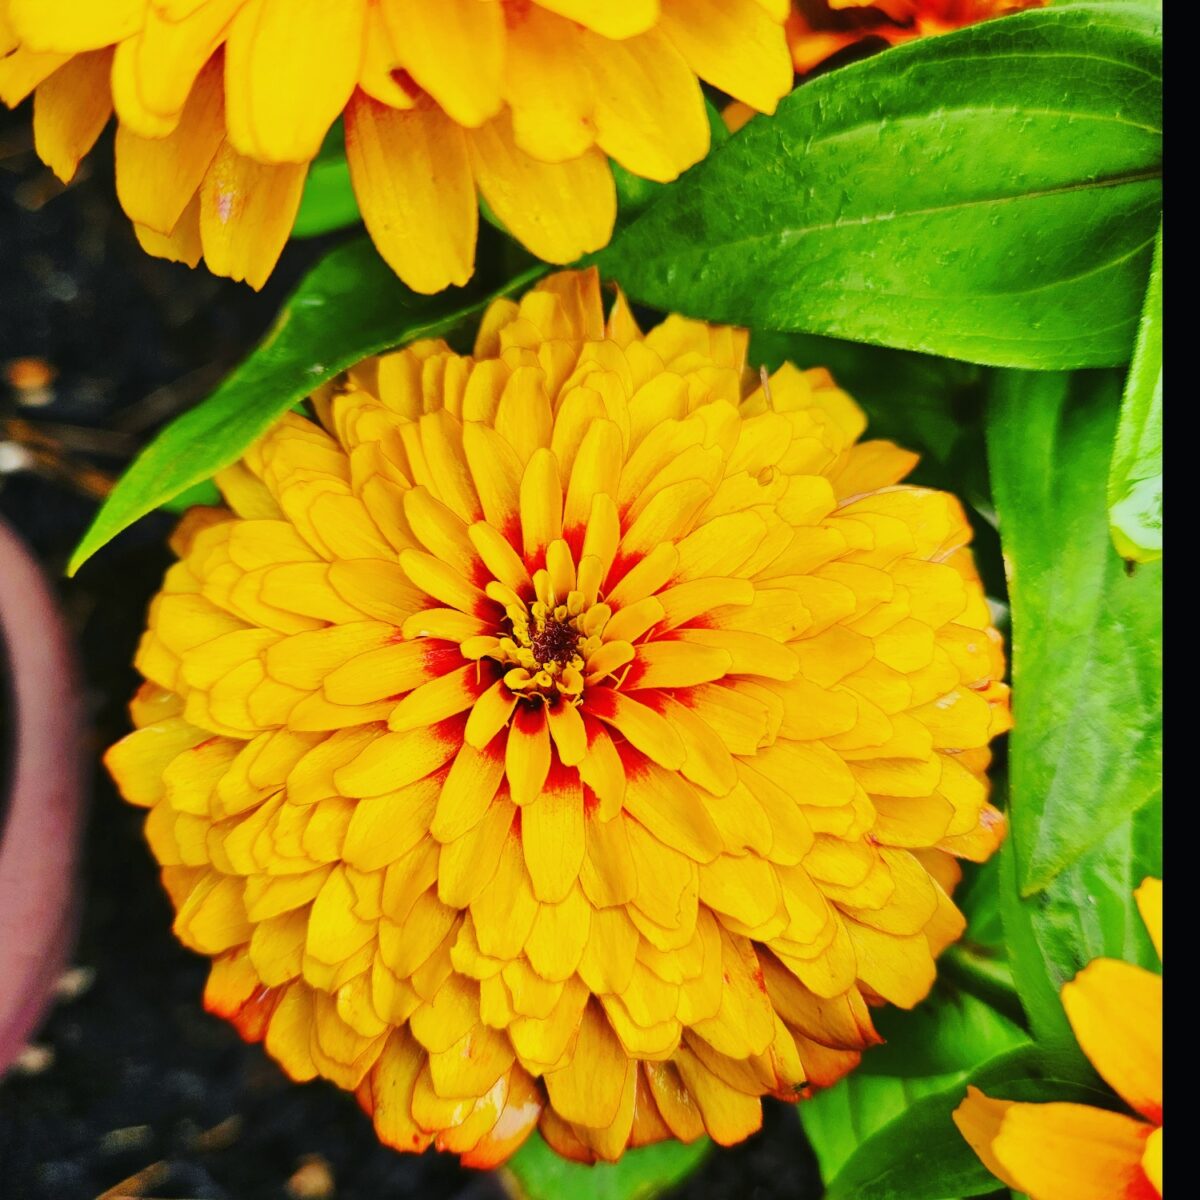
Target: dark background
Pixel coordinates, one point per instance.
(130, 1077)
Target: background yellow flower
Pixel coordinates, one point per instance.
(222, 104)
(578, 733)
(1073, 1151)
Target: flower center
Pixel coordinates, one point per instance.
(548, 647)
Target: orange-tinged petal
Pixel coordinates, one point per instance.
(729, 1116)
(391, 1089)
(569, 733)
(642, 726)
(247, 210)
(1115, 1010)
(1152, 1159)
(527, 754)
(415, 189)
(1057, 1151)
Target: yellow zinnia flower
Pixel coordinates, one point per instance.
(579, 732)
(820, 28)
(1073, 1151)
(222, 104)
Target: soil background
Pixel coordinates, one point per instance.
(131, 1089)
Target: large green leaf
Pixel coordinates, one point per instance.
(535, 1172)
(1086, 752)
(990, 195)
(349, 306)
(839, 1120)
(1135, 480)
(1085, 756)
(919, 1155)
(1087, 912)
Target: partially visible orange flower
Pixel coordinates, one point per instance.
(820, 28)
(222, 105)
(1073, 1151)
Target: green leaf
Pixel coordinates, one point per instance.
(991, 195)
(348, 307)
(535, 1172)
(919, 1155)
(328, 201)
(1135, 480)
(840, 1119)
(1086, 913)
(950, 1032)
(204, 492)
(1086, 752)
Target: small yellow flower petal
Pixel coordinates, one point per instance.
(1057, 1151)
(1115, 1010)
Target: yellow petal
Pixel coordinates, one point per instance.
(454, 52)
(590, 1088)
(1115, 1010)
(1149, 902)
(552, 834)
(67, 26)
(23, 69)
(292, 65)
(1056, 1151)
(392, 760)
(733, 44)
(667, 805)
(247, 210)
(1152, 1159)
(609, 20)
(559, 210)
(413, 182)
(467, 791)
(569, 733)
(168, 53)
(527, 754)
(644, 728)
(391, 1091)
(70, 109)
(650, 113)
(729, 1115)
(547, 86)
(157, 177)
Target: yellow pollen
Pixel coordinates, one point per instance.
(549, 646)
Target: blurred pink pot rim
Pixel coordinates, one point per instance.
(39, 828)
